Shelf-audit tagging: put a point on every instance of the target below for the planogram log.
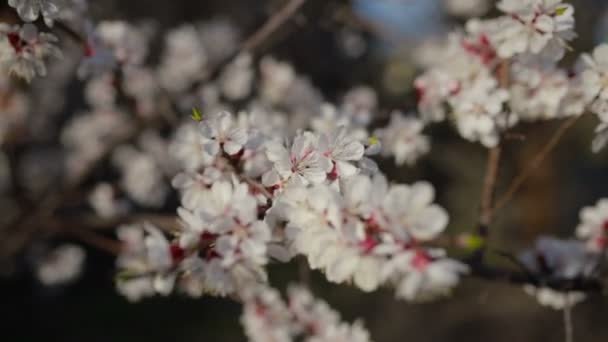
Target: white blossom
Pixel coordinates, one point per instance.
(533, 25)
(403, 139)
(267, 318)
(222, 133)
(24, 50)
(302, 163)
(30, 10)
(62, 265)
(593, 225)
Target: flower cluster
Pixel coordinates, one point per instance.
(504, 70)
(247, 196)
(369, 234)
(269, 170)
(23, 50)
(266, 317)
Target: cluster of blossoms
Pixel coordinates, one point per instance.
(504, 70)
(24, 49)
(250, 197)
(289, 174)
(266, 317)
(370, 233)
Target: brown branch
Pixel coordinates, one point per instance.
(535, 163)
(96, 240)
(489, 186)
(509, 276)
(272, 25)
(492, 166)
(261, 35)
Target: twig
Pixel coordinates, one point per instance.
(568, 326)
(303, 272)
(535, 163)
(271, 26)
(489, 185)
(516, 277)
(259, 36)
(96, 240)
(492, 166)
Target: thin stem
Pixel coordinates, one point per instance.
(568, 326)
(492, 166)
(96, 240)
(261, 35)
(489, 186)
(303, 272)
(271, 26)
(535, 163)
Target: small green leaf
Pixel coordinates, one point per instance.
(561, 10)
(472, 242)
(196, 114)
(124, 276)
(373, 141)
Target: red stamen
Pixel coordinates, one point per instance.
(177, 253)
(421, 260)
(15, 41)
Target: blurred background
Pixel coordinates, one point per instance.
(338, 45)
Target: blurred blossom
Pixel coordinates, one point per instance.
(184, 59)
(61, 265)
(24, 50)
(237, 79)
(353, 43)
(142, 178)
(29, 10)
(104, 202)
(221, 37)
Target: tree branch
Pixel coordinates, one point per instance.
(535, 163)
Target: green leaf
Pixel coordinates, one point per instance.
(196, 114)
(472, 242)
(373, 141)
(561, 10)
(123, 276)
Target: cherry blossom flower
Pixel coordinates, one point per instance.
(422, 275)
(341, 148)
(533, 25)
(593, 225)
(128, 43)
(62, 265)
(222, 133)
(303, 318)
(142, 178)
(302, 164)
(539, 89)
(595, 78)
(188, 148)
(184, 59)
(103, 201)
(403, 139)
(24, 50)
(145, 262)
(30, 10)
(237, 79)
(555, 299)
